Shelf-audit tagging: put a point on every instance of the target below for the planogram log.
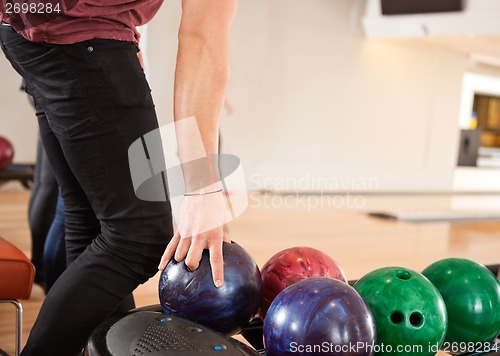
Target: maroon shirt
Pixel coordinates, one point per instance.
(71, 21)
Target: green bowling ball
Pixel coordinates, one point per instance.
(471, 293)
(410, 314)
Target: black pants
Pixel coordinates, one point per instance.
(41, 209)
(92, 102)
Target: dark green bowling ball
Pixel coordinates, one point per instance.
(409, 312)
(471, 293)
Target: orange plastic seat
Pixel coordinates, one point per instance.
(16, 280)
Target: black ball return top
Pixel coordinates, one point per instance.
(148, 331)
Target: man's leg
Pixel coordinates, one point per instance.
(97, 103)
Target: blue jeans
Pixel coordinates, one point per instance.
(92, 102)
(54, 252)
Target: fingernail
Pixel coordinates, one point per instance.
(218, 283)
(160, 266)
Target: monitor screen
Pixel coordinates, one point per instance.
(404, 7)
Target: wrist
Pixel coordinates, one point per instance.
(201, 194)
(210, 189)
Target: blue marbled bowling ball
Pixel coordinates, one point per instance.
(193, 295)
(319, 316)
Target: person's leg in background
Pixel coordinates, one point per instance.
(93, 103)
(41, 208)
(54, 252)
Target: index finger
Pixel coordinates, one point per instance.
(169, 251)
(217, 264)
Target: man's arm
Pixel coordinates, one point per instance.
(201, 79)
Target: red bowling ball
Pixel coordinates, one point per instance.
(292, 265)
(6, 152)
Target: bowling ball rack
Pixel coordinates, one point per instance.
(148, 331)
(24, 173)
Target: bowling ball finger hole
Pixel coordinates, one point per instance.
(403, 274)
(416, 319)
(397, 317)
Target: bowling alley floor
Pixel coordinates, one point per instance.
(338, 227)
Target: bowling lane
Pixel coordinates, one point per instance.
(356, 241)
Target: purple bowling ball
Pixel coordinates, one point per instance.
(319, 316)
(192, 294)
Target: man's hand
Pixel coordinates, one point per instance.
(201, 226)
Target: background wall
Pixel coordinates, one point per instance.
(317, 107)
(17, 118)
